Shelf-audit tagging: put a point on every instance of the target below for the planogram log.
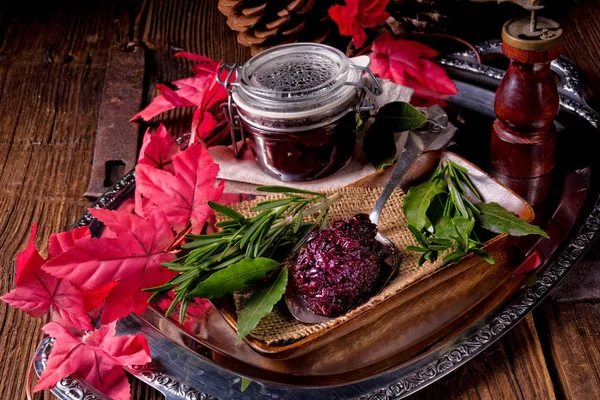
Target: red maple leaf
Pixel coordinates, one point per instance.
(133, 259)
(158, 149)
(127, 205)
(182, 197)
(358, 14)
(203, 126)
(190, 91)
(38, 292)
(63, 241)
(203, 66)
(405, 63)
(98, 358)
(189, 94)
(213, 94)
(181, 99)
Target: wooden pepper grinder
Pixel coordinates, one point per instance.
(523, 135)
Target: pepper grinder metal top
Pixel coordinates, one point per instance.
(533, 34)
(527, 102)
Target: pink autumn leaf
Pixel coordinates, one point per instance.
(213, 94)
(158, 149)
(358, 14)
(204, 66)
(63, 241)
(38, 292)
(205, 126)
(182, 197)
(407, 63)
(173, 97)
(127, 205)
(98, 358)
(190, 90)
(189, 94)
(133, 258)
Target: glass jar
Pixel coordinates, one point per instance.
(297, 105)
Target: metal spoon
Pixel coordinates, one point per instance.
(433, 137)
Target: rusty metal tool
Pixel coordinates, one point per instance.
(116, 146)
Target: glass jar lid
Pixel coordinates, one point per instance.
(299, 78)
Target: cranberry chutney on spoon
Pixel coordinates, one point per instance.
(322, 274)
(297, 104)
(339, 267)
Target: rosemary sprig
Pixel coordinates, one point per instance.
(278, 223)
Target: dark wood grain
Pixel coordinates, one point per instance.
(52, 66)
(572, 339)
(581, 22)
(514, 368)
(51, 79)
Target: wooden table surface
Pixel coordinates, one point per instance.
(53, 62)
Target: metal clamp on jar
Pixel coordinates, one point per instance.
(297, 105)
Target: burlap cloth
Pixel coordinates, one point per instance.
(279, 327)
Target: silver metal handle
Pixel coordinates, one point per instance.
(230, 111)
(409, 154)
(375, 87)
(369, 92)
(434, 135)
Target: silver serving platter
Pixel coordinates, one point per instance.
(183, 370)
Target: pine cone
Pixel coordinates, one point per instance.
(266, 23)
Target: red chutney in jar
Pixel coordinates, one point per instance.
(305, 155)
(297, 105)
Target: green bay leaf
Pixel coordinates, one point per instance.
(418, 200)
(495, 218)
(444, 228)
(233, 278)
(399, 116)
(379, 143)
(260, 304)
(438, 205)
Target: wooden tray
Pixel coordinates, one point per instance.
(490, 190)
(447, 320)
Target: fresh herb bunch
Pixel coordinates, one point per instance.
(242, 251)
(443, 219)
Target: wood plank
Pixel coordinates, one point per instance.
(513, 368)
(571, 333)
(52, 67)
(581, 22)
